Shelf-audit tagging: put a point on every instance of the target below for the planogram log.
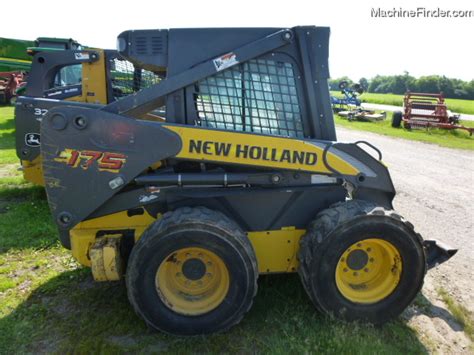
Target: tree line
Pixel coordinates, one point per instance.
(400, 84)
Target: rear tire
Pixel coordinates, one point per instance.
(360, 262)
(397, 119)
(192, 272)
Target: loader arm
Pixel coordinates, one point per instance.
(115, 152)
(148, 99)
(136, 164)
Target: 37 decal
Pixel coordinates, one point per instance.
(106, 161)
(39, 113)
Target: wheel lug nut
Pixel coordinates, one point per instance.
(366, 270)
(355, 273)
(188, 255)
(371, 260)
(369, 249)
(209, 275)
(342, 259)
(209, 263)
(345, 270)
(359, 245)
(178, 274)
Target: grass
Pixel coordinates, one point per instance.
(67, 312)
(459, 139)
(7, 136)
(49, 303)
(459, 312)
(455, 105)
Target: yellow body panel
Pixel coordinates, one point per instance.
(83, 236)
(276, 250)
(94, 82)
(33, 171)
(257, 150)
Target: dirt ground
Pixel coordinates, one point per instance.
(435, 192)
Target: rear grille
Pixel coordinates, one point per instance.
(141, 45)
(156, 45)
(149, 45)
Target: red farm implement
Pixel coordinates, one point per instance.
(421, 110)
(10, 82)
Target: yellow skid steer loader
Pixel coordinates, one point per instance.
(242, 177)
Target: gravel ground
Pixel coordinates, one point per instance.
(435, 192)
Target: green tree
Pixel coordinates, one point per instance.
(429, 84)
(399, 84)
(364, 83)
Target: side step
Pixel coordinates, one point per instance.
(437, 252)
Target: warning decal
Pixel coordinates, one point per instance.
(225, 61)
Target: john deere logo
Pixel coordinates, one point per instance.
(32, 139)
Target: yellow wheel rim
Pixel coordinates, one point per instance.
(192, 281)
(368, 271)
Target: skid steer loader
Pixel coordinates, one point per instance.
(62, 69)
(243, 177)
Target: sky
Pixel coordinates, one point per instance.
(360, 45)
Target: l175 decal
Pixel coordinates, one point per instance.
(106, 161)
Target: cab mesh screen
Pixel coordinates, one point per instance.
(126, 79)
(256, 96)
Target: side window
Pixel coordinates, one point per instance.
(68, 76)
(257, 96)
(127, 79)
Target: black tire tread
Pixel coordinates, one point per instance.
(191, 215)
(397, 119)
(328, 220)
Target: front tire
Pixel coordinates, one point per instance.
(360, 262)
(192, 272)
